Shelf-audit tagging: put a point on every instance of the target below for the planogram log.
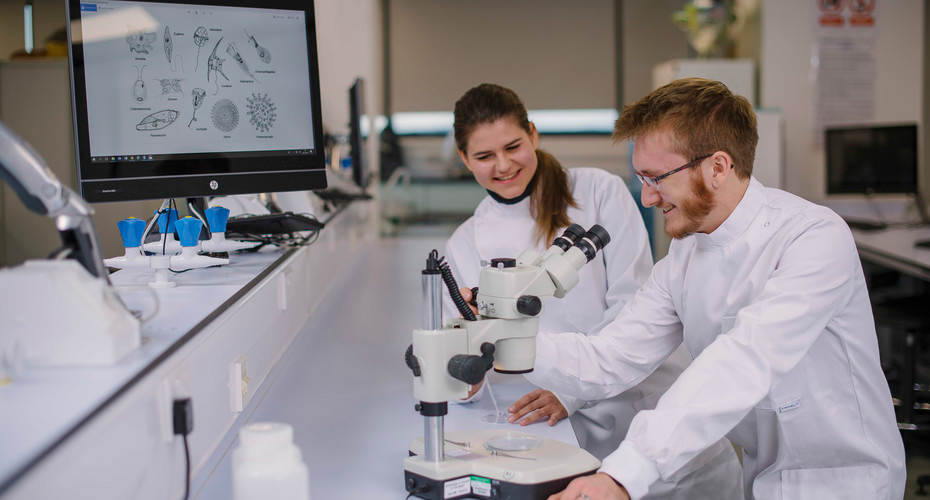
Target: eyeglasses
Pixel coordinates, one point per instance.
(653, 182)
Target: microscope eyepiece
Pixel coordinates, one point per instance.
(595, 239)
(598, 235)
(569, 236)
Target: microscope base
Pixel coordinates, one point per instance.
(475, 471)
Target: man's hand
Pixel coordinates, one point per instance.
(467, 295)
(537, 405)
(598, 486)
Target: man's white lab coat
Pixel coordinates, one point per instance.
(774, 309)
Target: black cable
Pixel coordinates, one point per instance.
(457, 298)
(187, 467)
(164, 243)
(417, 491)
(182, 415)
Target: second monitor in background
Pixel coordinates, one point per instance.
(357, 135)
(356, 139)
(880, 159)
(874, 159)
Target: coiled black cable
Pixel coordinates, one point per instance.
(457, 298)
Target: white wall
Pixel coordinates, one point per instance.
(785, 79)
(552, 55)
(349, 46)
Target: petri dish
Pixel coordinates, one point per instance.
(513, 441)
(495, 418)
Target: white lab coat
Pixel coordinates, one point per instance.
(774, 309)
(606, 284)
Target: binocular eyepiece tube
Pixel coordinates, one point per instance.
(589, 242)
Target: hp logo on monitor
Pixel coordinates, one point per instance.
(214, 185)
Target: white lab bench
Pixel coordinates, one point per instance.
(319, 333)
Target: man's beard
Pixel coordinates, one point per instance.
(694, 209)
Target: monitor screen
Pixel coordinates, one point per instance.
(876, 159)
(195, 98)
(356, 138)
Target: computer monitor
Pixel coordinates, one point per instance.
(879, 159)
(192, 98)
(356, 137)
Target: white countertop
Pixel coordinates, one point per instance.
(347, 392)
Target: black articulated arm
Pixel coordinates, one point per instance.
(41, 192)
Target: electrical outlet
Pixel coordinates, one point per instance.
(176, 385)
(238, 384)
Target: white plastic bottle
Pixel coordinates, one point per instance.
(267, 465)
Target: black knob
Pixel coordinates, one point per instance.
(474, 296)
(468, 369)
(471, 369)
(411, 361)
(504, 262)
(529, 305)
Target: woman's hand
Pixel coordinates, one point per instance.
(474, 389)
(537, 405)
(468, 296)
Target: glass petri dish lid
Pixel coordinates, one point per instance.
(513, 441)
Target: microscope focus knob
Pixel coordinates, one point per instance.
(529, 305)
(471, 369)
(411, 361)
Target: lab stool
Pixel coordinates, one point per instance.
(909, 320)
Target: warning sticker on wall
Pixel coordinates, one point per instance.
(843, 64)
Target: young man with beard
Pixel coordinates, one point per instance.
(767, 293)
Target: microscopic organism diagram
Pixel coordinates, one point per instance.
(197, 96)
(234, 52)
(139, 92)
(263, 53)
(169, 46)
(170, 85)
(140, 41)
(215, 65)
(225, 115)
(169, 51)
(158, 120)
(200, 39)
(261, 112)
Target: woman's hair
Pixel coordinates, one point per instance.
(703, 116)
(550, 193)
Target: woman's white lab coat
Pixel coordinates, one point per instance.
(606, 284)
(774, 309)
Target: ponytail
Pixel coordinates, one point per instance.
(551, 196)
